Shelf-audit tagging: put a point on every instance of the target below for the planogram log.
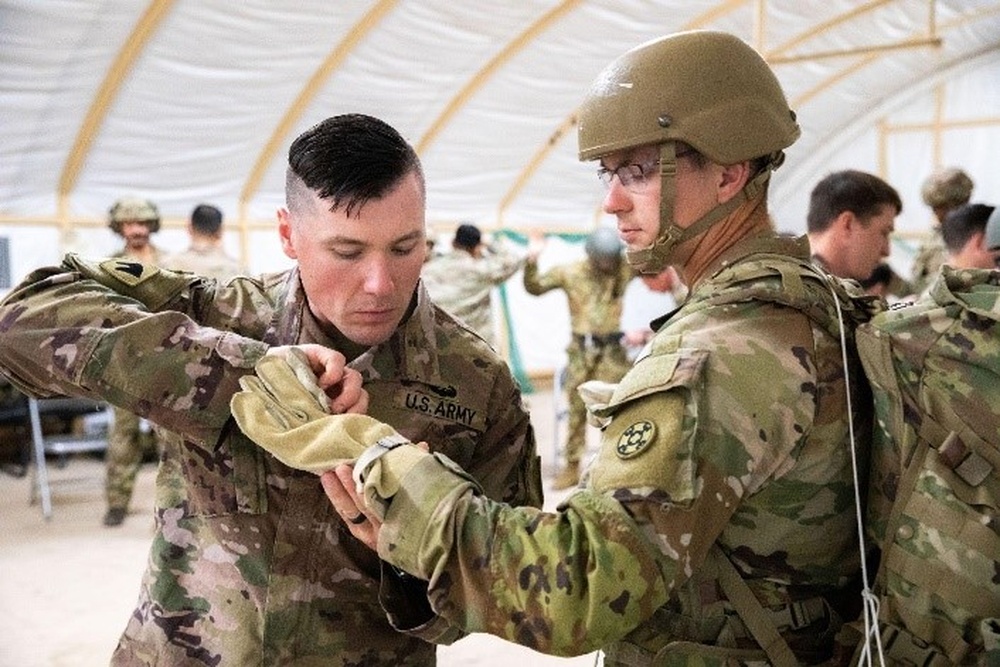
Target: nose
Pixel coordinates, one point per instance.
(378, 277)
(617, 197)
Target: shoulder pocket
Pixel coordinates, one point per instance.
(652, 417)
(655, 374)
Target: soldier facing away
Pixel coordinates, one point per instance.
(250, 565)
(205, 255)
(718, 524)
(462, 281)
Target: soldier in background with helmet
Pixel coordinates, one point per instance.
(718, 524)
(595, 289)
(944, 190)
(130, 439)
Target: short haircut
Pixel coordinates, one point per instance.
(348, 160)
(468, 236)
(962, 222)
(206, 219)
(859, 192)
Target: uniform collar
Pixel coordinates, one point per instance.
(410, 353)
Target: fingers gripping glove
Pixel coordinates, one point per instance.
(283, 410)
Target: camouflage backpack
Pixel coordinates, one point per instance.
(934, 491)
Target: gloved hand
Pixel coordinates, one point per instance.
(380, 471)
(283, 410)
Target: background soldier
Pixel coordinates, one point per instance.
(963, 232)
(942, 191)
(718, 523)
(206, 255)
(851, 217)
(595, 289)
(462, 281)
(130, 438)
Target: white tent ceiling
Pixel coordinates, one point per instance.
(188, 101)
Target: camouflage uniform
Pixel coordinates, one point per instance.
(726, 441)
(462, 284)
(128, 441)
(595, 351)
(250, 565)
(930, 256)
(935, 370)
(204, 260)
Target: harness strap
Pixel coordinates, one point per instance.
(750, 610)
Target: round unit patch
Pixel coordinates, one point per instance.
(635, 439)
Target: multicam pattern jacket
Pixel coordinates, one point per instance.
(730, 436)
(249, 564)
(595, 299)
(463, 284)
(935, 485)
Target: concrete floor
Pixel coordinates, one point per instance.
(67, 585)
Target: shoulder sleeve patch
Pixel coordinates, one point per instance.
(129, 272)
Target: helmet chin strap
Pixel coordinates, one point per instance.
(656, 257)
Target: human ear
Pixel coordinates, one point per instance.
(285, 233)
(731, 180)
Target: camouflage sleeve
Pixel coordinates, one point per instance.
(535, 283)
(501, 264)
(685, 445)
(507, 467)
(563, 583)
(128, 334)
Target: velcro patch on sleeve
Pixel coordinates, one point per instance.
(129, 272)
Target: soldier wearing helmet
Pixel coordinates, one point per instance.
(595, 290)
(135, 220)
(130, 439)
(717, 524)
(943, 191)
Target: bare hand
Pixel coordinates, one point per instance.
(536, 243)
(340, 383)
(637, 337)
(340, 489)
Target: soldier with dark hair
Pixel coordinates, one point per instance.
(462, 281)
(963, 231)
(206, 255)
(718, 523)
(250, 565)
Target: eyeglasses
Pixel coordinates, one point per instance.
(635, 176)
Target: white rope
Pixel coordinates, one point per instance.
(869, 600)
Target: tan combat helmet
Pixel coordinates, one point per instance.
(947, 188)
(707, 89)
(133, 209)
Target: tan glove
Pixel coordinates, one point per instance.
(380, 471)
(284, 411)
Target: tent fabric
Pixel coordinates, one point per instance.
(191, 101)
